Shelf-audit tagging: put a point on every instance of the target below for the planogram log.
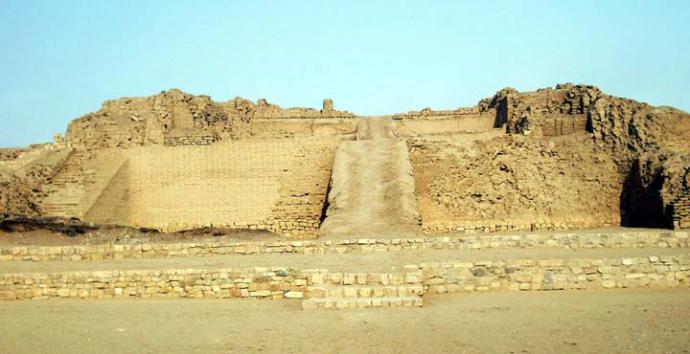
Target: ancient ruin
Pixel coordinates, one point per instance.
(568, 157)
(564, 188)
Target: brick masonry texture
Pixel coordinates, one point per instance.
(274, 185)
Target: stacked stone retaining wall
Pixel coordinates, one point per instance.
(281, 282)
(580, 240)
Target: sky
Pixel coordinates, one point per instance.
(61, 59)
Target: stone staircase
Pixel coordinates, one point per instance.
(65, 189)
(112, 205)
(363, 296)
(77, 184)
(364, 290)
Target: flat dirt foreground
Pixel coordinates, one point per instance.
(627, 321)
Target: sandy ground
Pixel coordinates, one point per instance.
(352, 262)
(629, 321)
(133, 236)
(124, 235)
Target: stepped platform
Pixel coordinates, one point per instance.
(352, 303)
(348, 273)
(355, 276)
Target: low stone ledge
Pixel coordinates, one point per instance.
(283, 282)
(580, 240)
(558, 274)
(636, 239)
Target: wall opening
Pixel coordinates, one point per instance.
(641, 202)
(326, 201)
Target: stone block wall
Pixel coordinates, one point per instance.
(573, 241)
(681, 212)
(557, 274)
(282, 282)
(275, 282)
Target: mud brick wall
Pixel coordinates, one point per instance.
(514, 183)
(112, 206)
(302, 127)
(76, 186)
(277, 185)
(272, 185)
(563, 124)
(190, 137)
(444, 124)
(303, 190)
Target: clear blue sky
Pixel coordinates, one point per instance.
(61, 59)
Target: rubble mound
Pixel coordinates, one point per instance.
(173, 116)
(16, 195)
(563, 157)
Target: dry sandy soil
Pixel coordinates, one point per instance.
(349, 262)
(650, 321)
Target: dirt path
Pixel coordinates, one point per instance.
(372, 188)
(350, 262)
(616, 321)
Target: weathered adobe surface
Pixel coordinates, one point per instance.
(23, 172)
(177, 118)
(563, 157)
(247, 175)
(555, 158)
(15, 194)
(514, 183)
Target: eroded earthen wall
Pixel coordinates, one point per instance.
(435, 125)
(278, 186)
(300, 128)
(514, 183)
(564, 157)
(176, 118)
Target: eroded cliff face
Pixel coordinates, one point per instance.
(565, 157)
(649, 144)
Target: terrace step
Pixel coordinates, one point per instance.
(366, 302)
(320, 292)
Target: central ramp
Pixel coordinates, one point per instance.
(372, 187)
